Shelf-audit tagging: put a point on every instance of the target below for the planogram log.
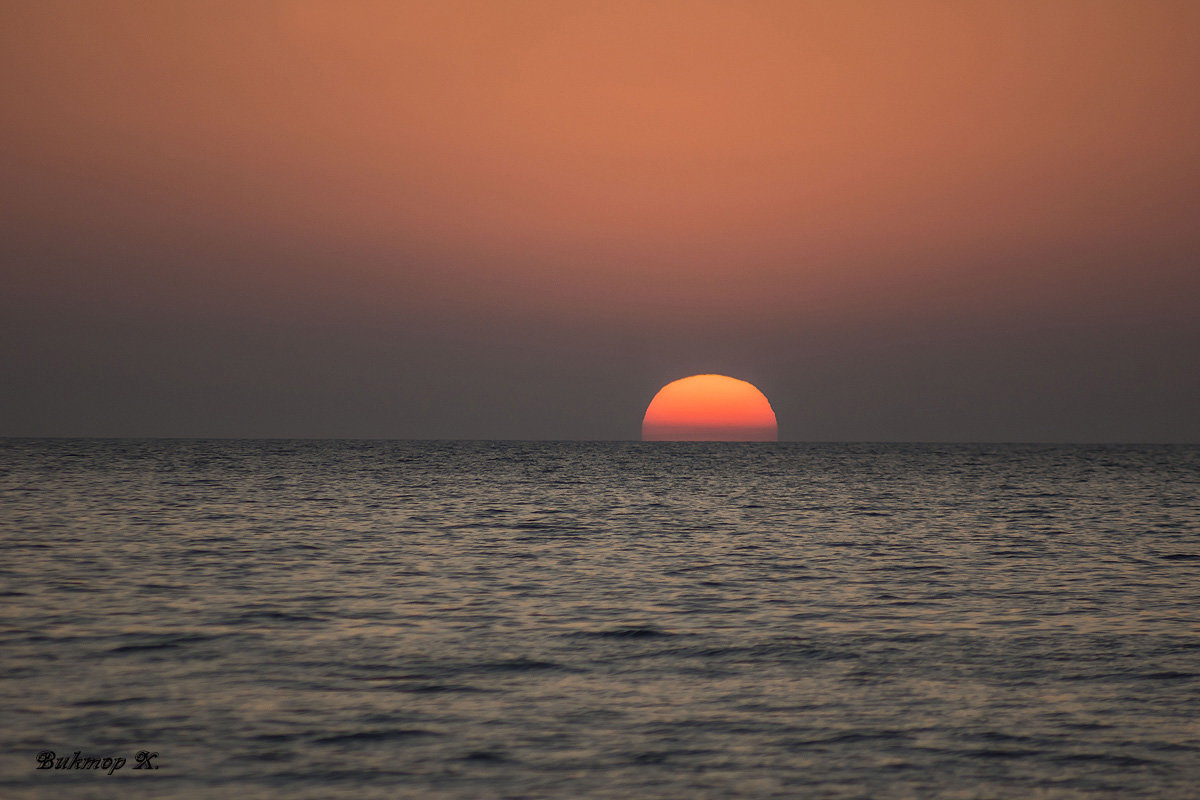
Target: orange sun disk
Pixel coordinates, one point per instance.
(709, 408)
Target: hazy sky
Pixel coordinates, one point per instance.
(900, 220)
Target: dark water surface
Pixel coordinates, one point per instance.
(317, 619)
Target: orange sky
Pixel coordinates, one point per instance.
(609, 166)
(747, 147)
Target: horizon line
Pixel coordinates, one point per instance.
(1079, 442)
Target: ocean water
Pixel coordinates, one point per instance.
(314, 619)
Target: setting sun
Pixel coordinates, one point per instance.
(709, 408)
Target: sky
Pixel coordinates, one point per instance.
(902, 221)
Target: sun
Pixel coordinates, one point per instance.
(709, 408)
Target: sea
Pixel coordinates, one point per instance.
(421, 619)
